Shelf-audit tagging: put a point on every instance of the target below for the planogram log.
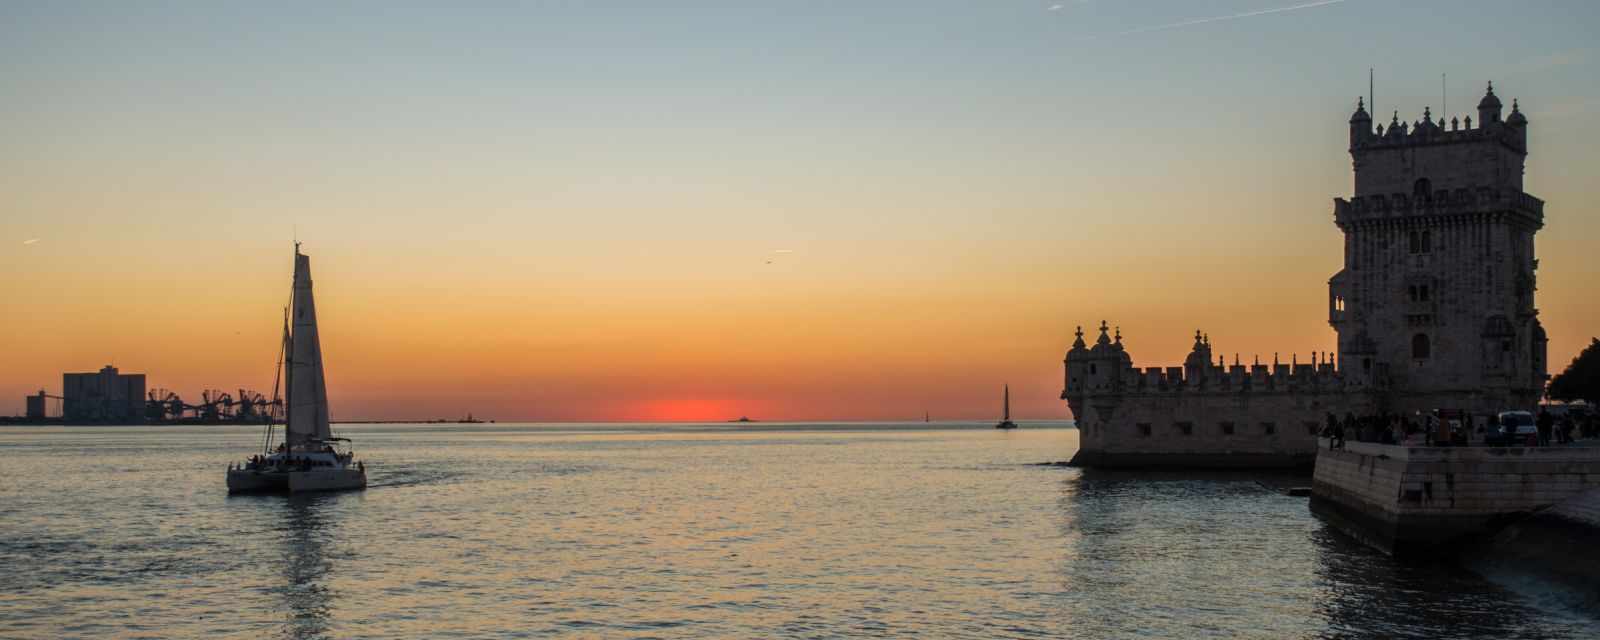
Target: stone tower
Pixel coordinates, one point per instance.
(1434, 306)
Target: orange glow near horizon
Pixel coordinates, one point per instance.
(833, 336)
(688, 410)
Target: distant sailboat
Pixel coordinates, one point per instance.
(1005, 419)
(307, 459)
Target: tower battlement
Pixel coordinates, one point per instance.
(1107, 369)
(1427, 155)
(1426, 132)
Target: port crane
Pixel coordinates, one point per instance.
(216, 406)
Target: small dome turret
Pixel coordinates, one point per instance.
(1102, 344)
(1516, 117)
(1426, 125)
(1360, 124)
(1488, 108)
(1395, 131)
(1361, 114)
(1490, 100)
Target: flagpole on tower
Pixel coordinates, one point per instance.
(1371, 99)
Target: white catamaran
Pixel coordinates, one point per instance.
(309, 458)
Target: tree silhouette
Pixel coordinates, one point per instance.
(1581, 380)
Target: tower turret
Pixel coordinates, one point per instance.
(1077, 365)
(1516, 118)
(1360, 123)
(1198, 364)
(1517, 126)
(1489, 108)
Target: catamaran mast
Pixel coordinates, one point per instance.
(1007, 417)
(283, 352)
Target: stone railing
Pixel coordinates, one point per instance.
(1439, 203)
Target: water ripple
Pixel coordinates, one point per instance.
(634, 531)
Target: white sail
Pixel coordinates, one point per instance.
(308, 390)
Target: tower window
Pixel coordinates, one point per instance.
(1227, 428)
(1420, 348)
(1144, 429)
(1421, 241)
(1412, 292)
(1422, 188)
(1423, 293)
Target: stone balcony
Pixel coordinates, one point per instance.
(1440, 203)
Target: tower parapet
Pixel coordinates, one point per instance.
(1448, 155)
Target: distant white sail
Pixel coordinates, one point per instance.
(308, 390)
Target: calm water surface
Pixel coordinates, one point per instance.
(502, 531)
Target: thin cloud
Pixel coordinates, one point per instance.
(1585, 107)
(783, 250)
(31, 241)
(1057, 7)
(1543, 63)
(1236, 16)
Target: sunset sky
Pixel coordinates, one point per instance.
(686, 211)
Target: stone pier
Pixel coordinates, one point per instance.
(1427, 500)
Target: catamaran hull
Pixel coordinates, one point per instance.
(327, 480)
(241, 481)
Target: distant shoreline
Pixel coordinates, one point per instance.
(720, 425)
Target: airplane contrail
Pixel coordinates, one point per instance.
(1236, 16)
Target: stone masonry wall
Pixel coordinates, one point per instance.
(1398, 498)
(1257, 429)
